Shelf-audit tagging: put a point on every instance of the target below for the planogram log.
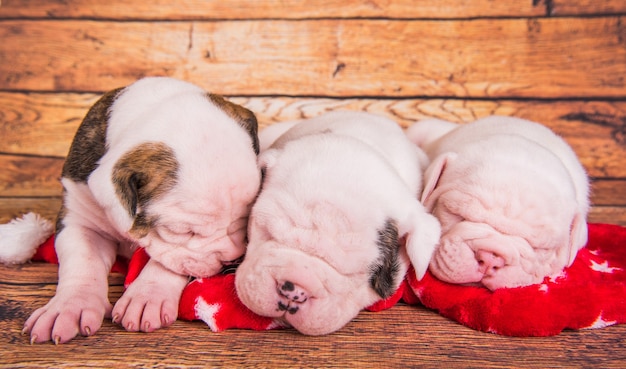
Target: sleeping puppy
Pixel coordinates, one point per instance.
(511, 196)
(340, 192)
(160, 164)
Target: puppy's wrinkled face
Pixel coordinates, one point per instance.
(189, 231)
(186, 197)
(503, 223)
(318, 276)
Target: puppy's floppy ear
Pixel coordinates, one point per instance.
(244, 117)
(384, 271)
(423, 232)
(578, 236)
(434, 172)
(268, 159)
(141, 175)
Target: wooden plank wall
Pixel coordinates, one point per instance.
(558, 62)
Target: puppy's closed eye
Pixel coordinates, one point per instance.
(175, 235)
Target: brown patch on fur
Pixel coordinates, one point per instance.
(244, 117)
(385, 269)
(141, 175)
(89, 144)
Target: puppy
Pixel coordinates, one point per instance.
(160, 164)
(340, 192)
(511, 196)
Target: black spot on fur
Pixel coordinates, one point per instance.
(287, 286)
(384, 270)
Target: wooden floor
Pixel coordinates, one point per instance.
(403, 336)
(558, 62)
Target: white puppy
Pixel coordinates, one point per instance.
(160, 164)
(340, 192)
(511, 196)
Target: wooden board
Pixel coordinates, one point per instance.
(403, 336)
(48, 207)
(284, 9)
(567, 7)
(534, 58)
(298, 9)
(14, 207)
(596, 130)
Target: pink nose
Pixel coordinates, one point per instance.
(488, 262)
(290, 296)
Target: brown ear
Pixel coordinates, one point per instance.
(89, 144)
(384, 271)
(244, 117)
(144, 173)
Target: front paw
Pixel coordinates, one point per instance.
(67, 315)
(146, 307)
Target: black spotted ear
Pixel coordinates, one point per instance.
(244, 117)
(143, 174)
(384, 271)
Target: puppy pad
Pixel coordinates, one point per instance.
(589, 294)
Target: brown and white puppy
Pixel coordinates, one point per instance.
(511, 196)
(163, 165)
(340, 191)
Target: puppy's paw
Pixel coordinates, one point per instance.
(147, 306)
(67, 315)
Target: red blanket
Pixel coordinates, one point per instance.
(591, 293)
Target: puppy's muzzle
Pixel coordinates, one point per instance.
(489, 262)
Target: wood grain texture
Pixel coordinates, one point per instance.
(40, 273)
(596, 130)
(30, 176)
(589, 7)
(12, 207)
(39, 177)
(539, 58)
(282, 9)
(403, 336)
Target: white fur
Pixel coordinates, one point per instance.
(20, 238)
(511, 196)
(331, 183)
(201, 221)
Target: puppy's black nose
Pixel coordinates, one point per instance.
(290, 296)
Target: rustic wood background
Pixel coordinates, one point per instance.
(559, 62)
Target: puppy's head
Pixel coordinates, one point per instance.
(318, 278)
(190, 223)
(319, 250)
(508, 214)
(182, 175)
